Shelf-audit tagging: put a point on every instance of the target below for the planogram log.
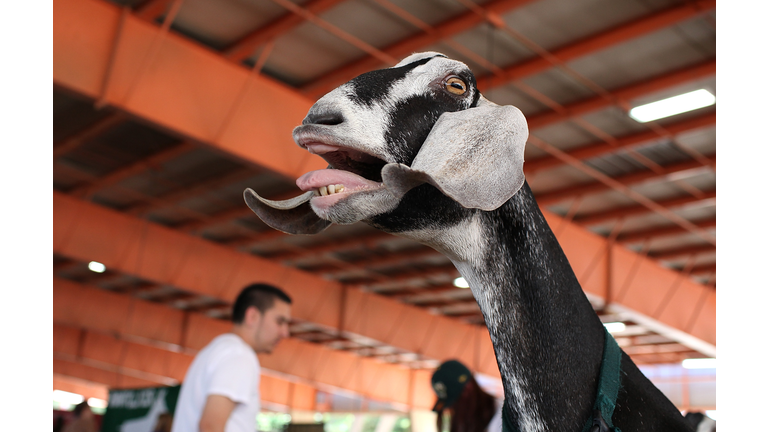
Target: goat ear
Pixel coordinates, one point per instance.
(292, 216)
(473, 156)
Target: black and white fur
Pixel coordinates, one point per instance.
(421, 158)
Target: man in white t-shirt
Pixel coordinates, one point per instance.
(221, 389)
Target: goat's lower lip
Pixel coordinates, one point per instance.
(319, 148)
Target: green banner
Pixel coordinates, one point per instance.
(140, 410)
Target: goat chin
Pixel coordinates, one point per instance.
(359, 206)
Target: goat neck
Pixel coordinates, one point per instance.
(547, 339)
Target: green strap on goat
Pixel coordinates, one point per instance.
(607, 390)
(609, 384)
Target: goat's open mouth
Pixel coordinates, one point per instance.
(350, 171)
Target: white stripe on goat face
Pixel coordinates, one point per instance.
(371, 121)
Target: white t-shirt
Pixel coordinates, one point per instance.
(495, 424)
(229, 367)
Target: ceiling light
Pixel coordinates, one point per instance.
(460, 282)
(615, 327)
(673, 105)
(97, 403)
(699, 363)
(66, 398)
(96, 267)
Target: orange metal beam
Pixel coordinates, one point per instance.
(188, 90)
(601, 148)
(245, 47)
(682, 251)
(633, 236)
(192, 190)
(178, 85)
(86, 231)
(88, 190)
(587, 46)
(603, 40)
(153, 9)
(98, 369)
(626, 93)
(548, 198)
(82, 387)
(107, 375)
(403, 48)
(100, 126)
(152, 339)
(634, 210)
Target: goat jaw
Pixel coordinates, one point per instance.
(292, 216)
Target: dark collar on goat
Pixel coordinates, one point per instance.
(607, 392)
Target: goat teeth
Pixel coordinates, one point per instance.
(329, 190)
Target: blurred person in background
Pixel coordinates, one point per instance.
(470, 408)
(84, 420)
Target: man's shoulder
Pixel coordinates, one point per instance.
(226, 345)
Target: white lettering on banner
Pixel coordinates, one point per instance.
(132, 399)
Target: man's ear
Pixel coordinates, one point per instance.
(252, 316)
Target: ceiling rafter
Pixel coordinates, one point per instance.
(634, 210)
(602, 40)
(703, 268)
(662, 231)
(360, 260)
(554, 196)
(665, 254)
(414, 256)
(173, 339)
(165, 256)
(151, 10)
(173, 258)
(628, 92)
(400, 49)
(95, 129)
(245, 47)
(189, 191)
(339, 33)
(151, 162)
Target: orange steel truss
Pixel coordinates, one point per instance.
(125, 61)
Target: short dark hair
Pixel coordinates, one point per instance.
(79, 408)
(259, 295)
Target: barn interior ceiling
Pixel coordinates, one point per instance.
(164, 111)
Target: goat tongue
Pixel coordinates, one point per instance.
(317, 179)
(292, 216)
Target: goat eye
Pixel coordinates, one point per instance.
(456, 86)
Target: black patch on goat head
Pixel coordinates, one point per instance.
(374, 86)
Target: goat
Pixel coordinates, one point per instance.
(415, 150)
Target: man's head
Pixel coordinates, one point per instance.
(82, 410)
(261, 315)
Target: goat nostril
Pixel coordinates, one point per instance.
(329, 119)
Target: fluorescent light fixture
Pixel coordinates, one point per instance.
(673, 105)
(97, 267)
(699, 363)
(460, 282)
(615, 327)
(97, 403)
(66, 398)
